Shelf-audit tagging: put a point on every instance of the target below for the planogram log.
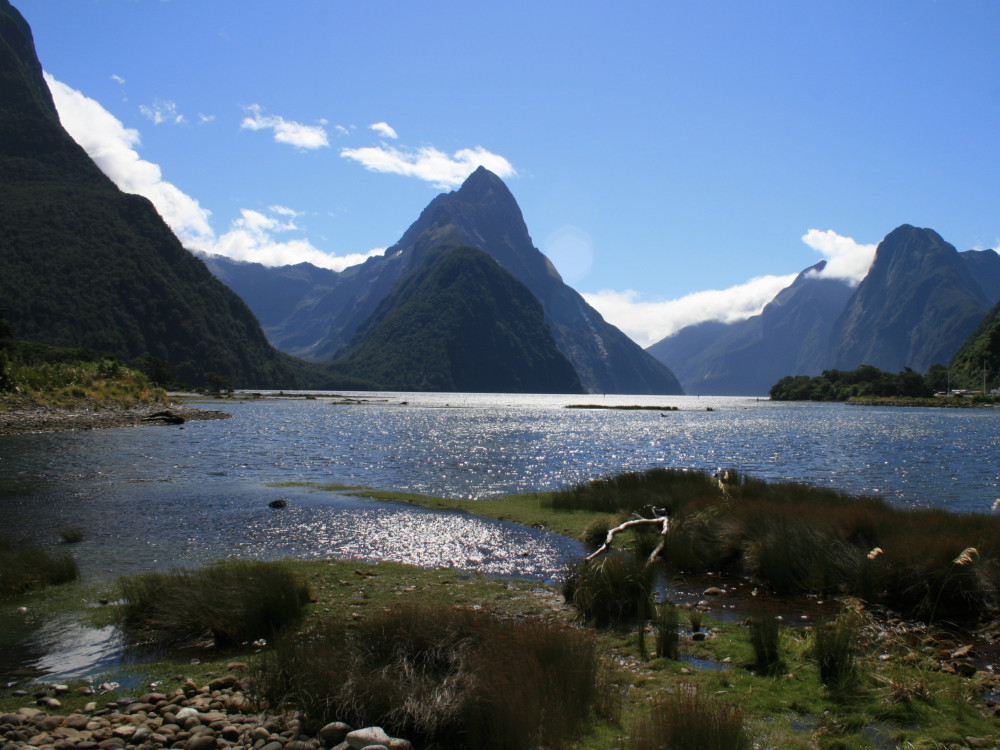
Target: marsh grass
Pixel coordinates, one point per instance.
(765, 639)
(228, 603)
(441, 676)
(613, 589)
(25, 567)
(836, 651)
(688, 720)
(666, 626)
(794, 538)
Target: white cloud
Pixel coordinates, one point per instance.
(250, 237)
(112, 146)
(384, 130)
(286, 131)
(161, 111)
(203, 119)
(648, 322)
(430, 164)
(117, 78)
(846, 259)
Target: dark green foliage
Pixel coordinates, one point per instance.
(612, 589)
(28, 566)
(687, 720)
(229, 603)
(459, 322)
(981, 350)
(441, 677)
(865, 381)
(84, 264)
(835, 650)
(794, 538)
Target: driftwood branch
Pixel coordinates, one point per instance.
(662, 521)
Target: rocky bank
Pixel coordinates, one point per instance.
(216, 716)
(26, 418)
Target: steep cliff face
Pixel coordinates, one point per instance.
(83, 264)
(914, 308)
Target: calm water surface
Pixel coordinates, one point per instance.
(162, 497)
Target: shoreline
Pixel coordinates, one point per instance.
(33, 418)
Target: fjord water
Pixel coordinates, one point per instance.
(157, 498)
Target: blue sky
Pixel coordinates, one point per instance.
(678, 161)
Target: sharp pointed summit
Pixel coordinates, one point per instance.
(484, 215)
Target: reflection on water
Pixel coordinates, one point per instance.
(161, 497)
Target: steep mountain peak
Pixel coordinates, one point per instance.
(16, 33)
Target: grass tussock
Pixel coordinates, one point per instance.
(836, 649)
(613, 589)
(666, 626)
(26, 567)
(765, 639)
(442, 676)
(688, 720)
(228, 603)
(794, 538)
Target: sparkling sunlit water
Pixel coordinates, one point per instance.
(162, 497)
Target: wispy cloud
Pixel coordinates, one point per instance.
(112, 146)
(255, 236)
(846, 259)
(429, 164)
(384, 130)
(646, 322)
(161, 111)
(306, 137)
(117, 78)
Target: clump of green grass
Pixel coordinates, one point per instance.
(231, 603)
(666, 625)
(836, 650)
(24, 567)
(765, 639)
(611, 589)
(441, 676)
(687, 720)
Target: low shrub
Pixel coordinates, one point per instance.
(442, 676)
(835, 650)
(687, 720)
(231, 602)
(28, 566)
(612, 589)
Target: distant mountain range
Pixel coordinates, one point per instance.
(919, 302)
(316, 314)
